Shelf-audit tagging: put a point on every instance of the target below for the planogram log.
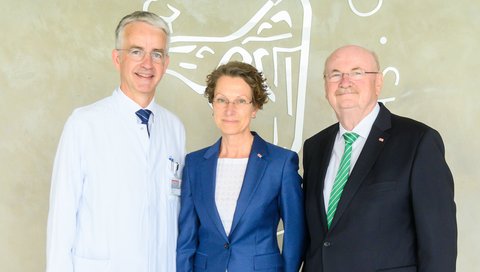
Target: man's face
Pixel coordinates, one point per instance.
(357, 95)
(139, 76)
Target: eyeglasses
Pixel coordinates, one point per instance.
(223, 102)
(356, 74)
(138, 54)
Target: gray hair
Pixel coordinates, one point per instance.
(141, 16)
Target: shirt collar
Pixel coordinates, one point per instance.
(363, 128)
(130, 106)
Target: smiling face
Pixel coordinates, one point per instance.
(349, 95)
(139, 78)
(233, 119)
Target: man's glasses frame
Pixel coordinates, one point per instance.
(138, 54)
(356, 74)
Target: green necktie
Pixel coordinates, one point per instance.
(341, 177)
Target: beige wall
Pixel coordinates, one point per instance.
(55, 56)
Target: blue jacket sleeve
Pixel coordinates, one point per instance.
(187, 223)
(293, 215)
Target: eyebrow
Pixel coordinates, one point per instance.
(240, 96)
(135, 47)
(141, 48)
(353, 69)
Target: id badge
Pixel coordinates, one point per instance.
(175, 186)
(175, 181)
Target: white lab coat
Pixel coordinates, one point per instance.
(112, 207)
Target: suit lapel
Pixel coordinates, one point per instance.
(370, 152)
(208, 174)
(320, 170)
(257, 163)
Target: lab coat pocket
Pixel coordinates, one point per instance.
(81, 264)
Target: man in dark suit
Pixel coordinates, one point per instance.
(390, 207)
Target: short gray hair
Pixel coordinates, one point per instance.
(141, 16)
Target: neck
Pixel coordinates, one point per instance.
(143, 100)
(350, 118)
(236, 146)
(349, 122)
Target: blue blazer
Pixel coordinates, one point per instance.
(271, 191)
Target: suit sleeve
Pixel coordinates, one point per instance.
(293, 215)
(65, 193)
(188, 224)
(434, 206)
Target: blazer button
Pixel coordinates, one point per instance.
(226, 246)
(326, 244)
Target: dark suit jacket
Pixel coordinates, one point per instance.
(271, 190)
(396, 212)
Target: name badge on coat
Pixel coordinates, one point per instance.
(175, 180)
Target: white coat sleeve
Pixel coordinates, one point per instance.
(65, 193)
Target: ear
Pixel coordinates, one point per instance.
(254, 113)
(379, 84)
(116, 58)
(166, 63)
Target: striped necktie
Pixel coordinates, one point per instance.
(341, 177)
(144, 115)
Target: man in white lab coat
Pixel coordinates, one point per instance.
(116, 177)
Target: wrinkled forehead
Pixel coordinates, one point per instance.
(346, 59)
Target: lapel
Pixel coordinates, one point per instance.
(208, 174)
(257, 163)
(370, 152)
(319, 171)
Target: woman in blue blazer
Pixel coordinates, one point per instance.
(235, 192)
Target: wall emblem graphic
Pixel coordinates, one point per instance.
(275, 39)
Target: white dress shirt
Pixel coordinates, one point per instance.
(362, 129)
(229, 181)
(112, 208)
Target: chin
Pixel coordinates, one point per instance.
(232, 132)
(146, 90)
(228, 132)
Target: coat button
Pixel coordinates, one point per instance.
(326, 244)
(226, 246)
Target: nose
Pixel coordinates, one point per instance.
(147, 60)
(345, 81)
(230, 108)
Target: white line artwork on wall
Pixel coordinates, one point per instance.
(383, 40)
(365, 14)
(261, 41)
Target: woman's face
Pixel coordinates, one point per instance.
(232, 106)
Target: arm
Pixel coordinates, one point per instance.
(187, 223)
(293, 215)
(434, 206)
(65, 194)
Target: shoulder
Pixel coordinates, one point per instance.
(197, 155)
(94, 112)
(406, 134)
(274, 154)
(321, 137)
(404, 126)
(401, 126)
(277, 151)
(167, 117)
